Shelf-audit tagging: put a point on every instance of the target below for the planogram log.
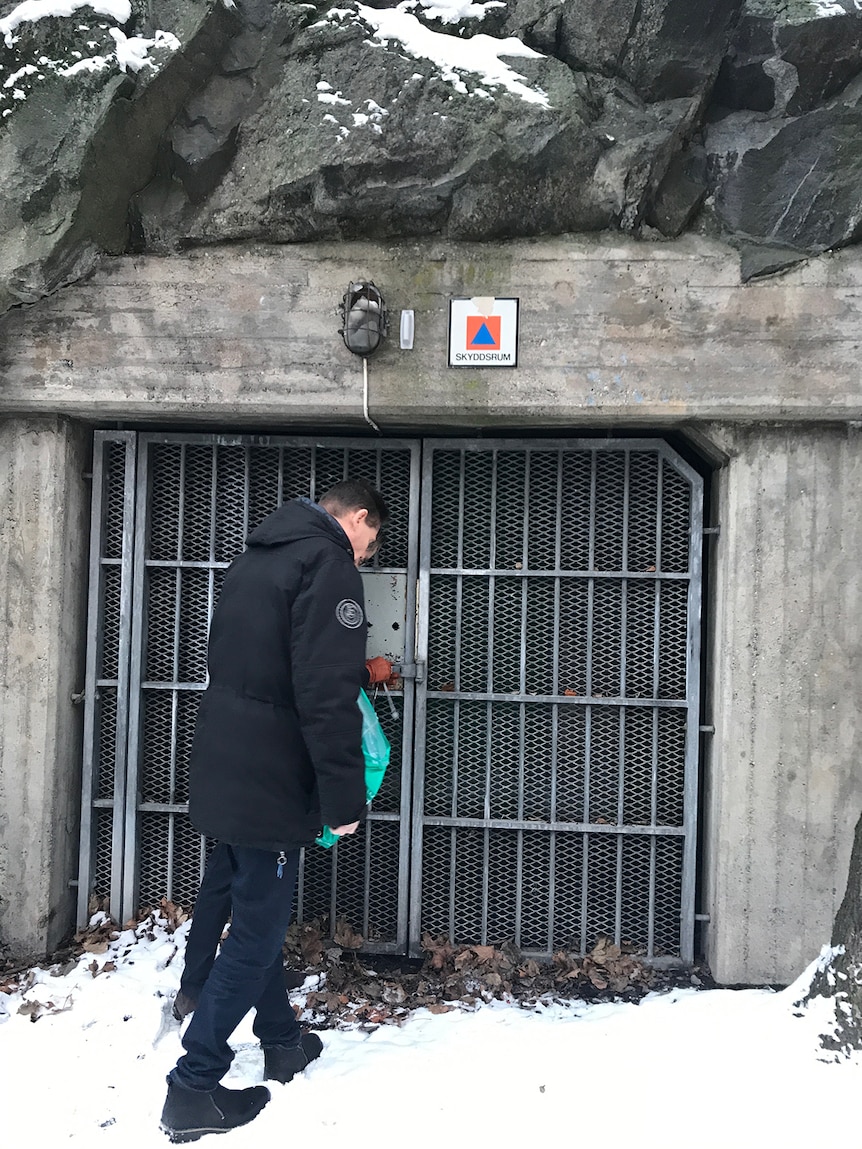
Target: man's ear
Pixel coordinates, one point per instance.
(360, 515)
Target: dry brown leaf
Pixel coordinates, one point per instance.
(174, 914)
(95, 945)
(346, 936)
(311, 944)
(440, 950)
(604, 951)
(484, 953)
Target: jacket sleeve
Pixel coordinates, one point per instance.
(327, 662)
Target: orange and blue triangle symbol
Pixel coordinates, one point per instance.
(483, 332)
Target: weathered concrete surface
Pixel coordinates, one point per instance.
(43, 530)
(784, 789)
(613, 332)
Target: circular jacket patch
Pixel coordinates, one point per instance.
(349, 613)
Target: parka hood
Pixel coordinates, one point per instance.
(298, 519)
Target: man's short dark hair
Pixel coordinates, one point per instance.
(356, 495)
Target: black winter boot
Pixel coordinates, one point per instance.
(283, 1062)
(190, 1113)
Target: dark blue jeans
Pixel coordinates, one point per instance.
(212, 910)
(248, 973)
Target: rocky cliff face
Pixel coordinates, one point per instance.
(144, 125)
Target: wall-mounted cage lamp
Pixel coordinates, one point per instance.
(364, 326)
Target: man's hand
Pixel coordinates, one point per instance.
(379, 670)
(340, 831)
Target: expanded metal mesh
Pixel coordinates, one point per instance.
(558, 747)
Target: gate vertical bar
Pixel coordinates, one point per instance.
(655, 685)
(692, 738)
(555, 689)
(621, 689)
(412, 730)
(417, 821)
(130, 874)
(87, 845)
(95, 637)
(588, 712)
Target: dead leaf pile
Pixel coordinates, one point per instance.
(171, 915)
(337, 984)
(97, 937)
(38, 999)
(365, 990)
(605, 967)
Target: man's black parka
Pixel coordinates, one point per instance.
(277, 751)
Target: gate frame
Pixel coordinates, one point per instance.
(694, 577)
(130, 802)
(129, 685)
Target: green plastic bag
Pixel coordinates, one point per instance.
(375, 751)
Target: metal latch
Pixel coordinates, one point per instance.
(414, 670)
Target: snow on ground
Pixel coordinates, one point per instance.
(716, 1069)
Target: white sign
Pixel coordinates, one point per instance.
(483, 332)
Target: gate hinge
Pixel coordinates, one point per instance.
(414, 670)
(77, 697)
(707, 729)
(712, 530)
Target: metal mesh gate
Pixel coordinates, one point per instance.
(543, 779)
(557, 727)
(195, 501)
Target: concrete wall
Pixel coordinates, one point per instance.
(43, 544)
(784, 785)
(612, 332)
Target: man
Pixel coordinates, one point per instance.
(276, 756)
(213, 908)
